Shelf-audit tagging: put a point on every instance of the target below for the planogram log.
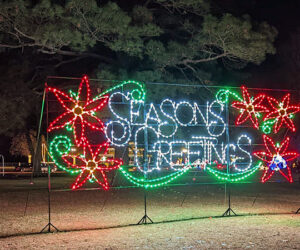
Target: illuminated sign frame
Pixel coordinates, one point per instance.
(145, 120)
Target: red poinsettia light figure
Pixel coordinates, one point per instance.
(282, 112)
(79, 111)
(276, 158)
(249, 108)
(93, 165)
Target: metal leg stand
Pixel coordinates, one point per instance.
(145, 217)
(298, 211)
(229, 210)
(47, 228)
(146, 165)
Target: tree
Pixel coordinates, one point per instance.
(23, 144)
(154, 40)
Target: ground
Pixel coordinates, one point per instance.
(186, 217)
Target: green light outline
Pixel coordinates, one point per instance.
(141, 92)
(153, 183)
(235, 177)
(53, 150)
(220, 95)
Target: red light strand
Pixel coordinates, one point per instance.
(273, 151)
(79, 115)
(249, 108)
(282, 111)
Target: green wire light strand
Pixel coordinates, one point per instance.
(61, 141)
(73, 94)
(153, 183)
(223, 95)
(235, 177)
(140, 91)
(267, 126)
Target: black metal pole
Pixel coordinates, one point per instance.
(49, 171)
(145, 201)
(227, 185)
(35, 160)
(145, 205)
(49, 198)
(143, 220)
(229, 198)
(49, 225)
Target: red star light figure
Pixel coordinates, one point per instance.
(282, 112)
(78, 111)
(249, 108)
(92, 164)
(276, 157)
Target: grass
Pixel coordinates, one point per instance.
(184, 216)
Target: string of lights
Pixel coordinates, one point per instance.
(163, 123)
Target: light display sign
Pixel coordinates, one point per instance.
(170, 136)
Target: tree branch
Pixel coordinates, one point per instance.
(186, 61)
(85, 54)
(23, 34)
(70, 61)
(17, 46)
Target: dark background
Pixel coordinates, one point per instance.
(277, 71)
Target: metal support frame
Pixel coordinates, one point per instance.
(35, 153)
(143, 220)
(229, 210)
(47, 228)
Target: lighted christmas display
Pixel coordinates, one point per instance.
(276, 158)
(78, 111)
(80, 117)
(282, 113)
(172, 135)
(249, 107)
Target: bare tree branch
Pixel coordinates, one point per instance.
(70, 61)
(186, 61)
(9, 46)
